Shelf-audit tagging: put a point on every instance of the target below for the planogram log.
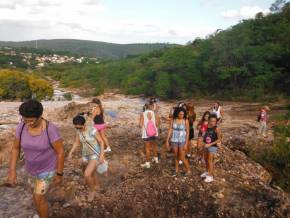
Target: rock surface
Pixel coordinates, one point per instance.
(241, 187)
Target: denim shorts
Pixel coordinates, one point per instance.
(87, 158)
(177, 144)
(212, 149)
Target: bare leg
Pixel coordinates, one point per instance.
(210, 164)
(147, 150)
(105, 139)
(175, 151)
(91, 179)
(184, 160)
(155, 148)
(41, 205)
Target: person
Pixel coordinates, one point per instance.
(191, 119)
(211, 139)
(43, 153)
(149, 123)
(154, 101)
(92, 151)
(177, 139)
(263, 120)
(217, 110)
(171, 112)
(99, 121)
(202, 127)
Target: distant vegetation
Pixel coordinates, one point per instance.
(101, 50)
(277, 159)
(250, 59)
(16, 85)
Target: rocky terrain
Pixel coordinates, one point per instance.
(242, 187)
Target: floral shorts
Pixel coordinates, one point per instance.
(42, 182)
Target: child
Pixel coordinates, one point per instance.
(263, 119)
(92, 151)
(149, 122)
(211, 139)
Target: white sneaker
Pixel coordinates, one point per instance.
(146, 165)
(155, 159)
(180, 162)
(205, 174)
(208, 179)
(108, 149)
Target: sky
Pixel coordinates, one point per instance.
(123, 21)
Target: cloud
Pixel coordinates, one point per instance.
(244, 12)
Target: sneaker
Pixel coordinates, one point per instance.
(204, 175)
(188, 156)
(208, 179)
(108, 149)
(155, 159)
(146, 165)
(180, 162)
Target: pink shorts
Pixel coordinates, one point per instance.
(100, 127)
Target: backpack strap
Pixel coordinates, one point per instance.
(49, 141)
(20, 137)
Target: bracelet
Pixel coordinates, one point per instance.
(59, 174)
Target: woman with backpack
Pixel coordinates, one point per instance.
(202, 127)
(211, 139)
(99, 121)
(177, 139)
(92, 151)
(43, 153)
(149, 122)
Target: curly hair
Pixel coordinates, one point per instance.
(31, 109)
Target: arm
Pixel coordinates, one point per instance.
(12, 178)
(101, 143)
(187, 131)
(141, 121)
(58, 147)
(169, 133)
(219, 135)
(74, 147)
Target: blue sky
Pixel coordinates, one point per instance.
(126, 21)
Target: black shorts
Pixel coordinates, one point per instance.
(150, 139)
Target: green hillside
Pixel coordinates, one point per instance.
(250, 59)
(102, 50)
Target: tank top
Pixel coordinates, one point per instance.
(210, 136)
(99, 119)
(217, 112)
(179, 132)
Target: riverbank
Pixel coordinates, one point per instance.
(241, 189)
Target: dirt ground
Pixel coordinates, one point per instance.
(241, 187)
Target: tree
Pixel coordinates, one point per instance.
(277, 6)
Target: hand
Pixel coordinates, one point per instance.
(57, 180)
(69, 156)
(101, 159)
(12, 178)
(167, 146)
(207, 145)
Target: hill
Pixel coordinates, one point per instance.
(250, 59)
(102, 50)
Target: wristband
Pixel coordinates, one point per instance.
(59, 174)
